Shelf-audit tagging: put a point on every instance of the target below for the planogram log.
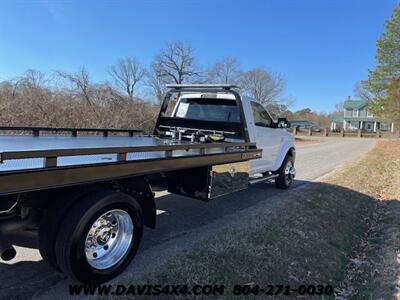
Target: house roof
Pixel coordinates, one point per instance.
(356, 119)
(337, 119)
(354, 104)
(300, 121)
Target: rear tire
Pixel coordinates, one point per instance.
(286, 173)
(99, 237)
(49, 227)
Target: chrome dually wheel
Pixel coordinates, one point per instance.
(99, 236)
(109, 239)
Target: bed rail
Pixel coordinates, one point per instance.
(74, 131)
(50, 156)
(51, 175)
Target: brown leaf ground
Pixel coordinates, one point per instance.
(377, 277)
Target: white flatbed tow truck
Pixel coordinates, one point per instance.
(90, 196)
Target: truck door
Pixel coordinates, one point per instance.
(266, 137)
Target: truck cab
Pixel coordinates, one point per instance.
(269, 135)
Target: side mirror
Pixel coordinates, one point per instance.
(282, 123)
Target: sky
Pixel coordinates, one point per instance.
(321, 47)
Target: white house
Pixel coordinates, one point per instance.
(356, 116)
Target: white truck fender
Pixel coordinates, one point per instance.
(286, 147)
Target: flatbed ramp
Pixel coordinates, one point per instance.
(42, 162)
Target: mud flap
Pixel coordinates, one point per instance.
(140, 189)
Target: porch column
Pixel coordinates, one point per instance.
(361, 124)
(332, 125)
(375, 126)
(344, 125)
(392, 129)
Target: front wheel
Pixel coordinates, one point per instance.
(286, 173)
(99, 237)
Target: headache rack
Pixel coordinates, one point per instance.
(169, 157)
(202, 86)
(235, 128)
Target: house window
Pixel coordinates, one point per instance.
(369, 115)
(348, 112)
(355, 113)
(384, 127)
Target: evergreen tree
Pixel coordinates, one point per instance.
(384, 81)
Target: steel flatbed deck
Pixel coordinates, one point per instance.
(42, 162)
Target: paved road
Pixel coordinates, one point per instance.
(28, 275)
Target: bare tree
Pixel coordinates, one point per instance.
(33, 78)
(226, 70)
(339, 107)
(81, 83)
(30, 79)
(278, 110)
(361, 92)
(156, 84)
(127, 73)
(175, 63)
(264, 87)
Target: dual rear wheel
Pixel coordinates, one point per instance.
(95, 238)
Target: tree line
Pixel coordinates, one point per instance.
(131, 95)
(382, 87)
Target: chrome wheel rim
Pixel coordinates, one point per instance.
(109, 239)
(290, 172)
